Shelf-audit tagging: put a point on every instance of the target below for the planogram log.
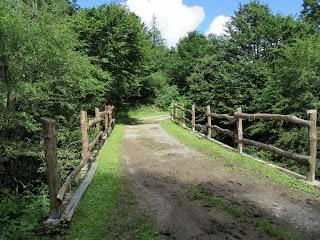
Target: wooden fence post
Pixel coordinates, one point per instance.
(175, 112)
(110, 117)
(193, 121)
(172, 111)
(313, 145)
(183, 116)
(113, 112)
(209, 122)
(240, 132)
(85, 134)
(50, 143)
(97, 115)
(106, 119)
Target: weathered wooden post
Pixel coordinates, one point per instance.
(175, 112)
(50, 144)
(110, 117)
(183, 116)
(193, 120)
(172, 111)
(97, 115)
(113, 113)
(313, 145)
(85, 134)
(240, 132)
(106, 119)
(209, 122)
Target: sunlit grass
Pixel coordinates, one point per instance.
(145, 111)
(104, 208)
(239, 163)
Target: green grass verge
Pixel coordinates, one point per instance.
(146, 111)
(108, 209)
(236, 161)
(262, 224)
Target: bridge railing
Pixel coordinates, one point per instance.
(62, 206)
(178, 114)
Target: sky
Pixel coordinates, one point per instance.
(175, 18)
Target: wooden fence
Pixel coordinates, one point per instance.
(178, 113)
(62, 206)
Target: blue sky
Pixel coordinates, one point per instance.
(199, 19)
(214, 8)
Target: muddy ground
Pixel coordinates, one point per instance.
(159, 167)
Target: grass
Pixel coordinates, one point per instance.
(238, 162)
(219, 202)
(108, 210)
(262, 224)
(146, 111)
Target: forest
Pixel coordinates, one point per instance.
(56, 59)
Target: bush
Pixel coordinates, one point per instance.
(21, 213)
(166, 95)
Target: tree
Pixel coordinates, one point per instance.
(41, 75)
(155, 34)
(265, 63)
(311, 12)
(189, 50)
(117, 41)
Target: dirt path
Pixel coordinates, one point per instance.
(159, 167)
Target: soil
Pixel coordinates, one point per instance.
(159, 167)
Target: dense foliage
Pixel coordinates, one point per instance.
(56, 59)
(263, 63)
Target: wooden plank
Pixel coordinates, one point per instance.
(71, 206)
(103, 113)
(209, 122)
(239, 131)
(223, 130)
(182, 108)
(50, 144)
(95, 141)
(300, 158)
(200, 126)
(279, 117)
(313, 145)
(186, 119)
(66, 185)
(222, 116)
(94, 121)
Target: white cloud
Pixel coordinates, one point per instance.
(218, 25)
(174, 19)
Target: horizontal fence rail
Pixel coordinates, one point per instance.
(61, 207)
(178, 113)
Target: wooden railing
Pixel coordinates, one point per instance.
(62, 207)
(178, 114)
